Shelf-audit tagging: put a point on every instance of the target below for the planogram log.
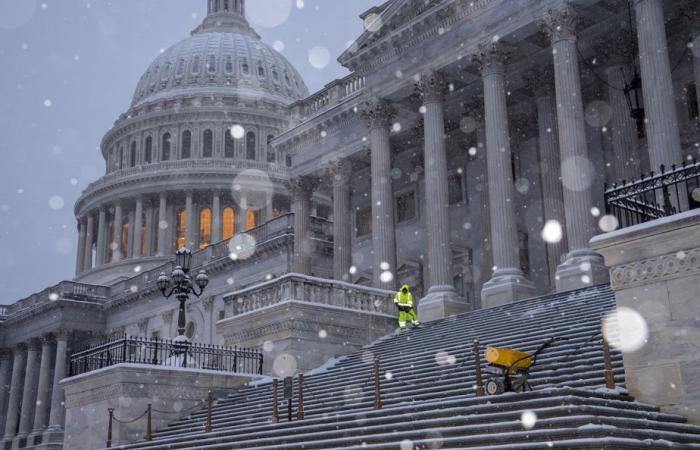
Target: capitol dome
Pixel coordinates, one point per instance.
(224, 55)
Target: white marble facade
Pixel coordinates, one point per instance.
(462, 128)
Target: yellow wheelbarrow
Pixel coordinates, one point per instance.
(509, 369)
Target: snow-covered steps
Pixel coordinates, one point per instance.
(429, 399)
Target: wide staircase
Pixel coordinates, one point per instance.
(429, 397)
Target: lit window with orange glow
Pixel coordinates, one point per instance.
(124, 241)
(250, 219)
(181, 225)
(204, 228)
(143, 240)
(229, 223)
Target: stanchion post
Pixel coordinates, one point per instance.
(300, 403)
(477, 367)
(607, 362)
(109, 427)
(210, 402)
(377, 385)
(275, 411)
(149, 429)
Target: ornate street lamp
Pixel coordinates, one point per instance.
(179, 283)
(633, 88)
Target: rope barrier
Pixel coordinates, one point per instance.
(128, 421)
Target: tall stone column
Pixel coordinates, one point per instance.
(5, 381)
(149, 230)
(89, 239)
(100, 254)
(379, 114)
(82, 238)
(340, 173)
(162, 224)
(13, 404)
(58, 409)
(43, 404)
(663, 134)
(189, 228)
(541, 82)
(696, 66)
(583, 267)
(31, 378)
(302, 189)
(130, 235)
(138, 225)
(507, 284)
(117, 239)
(216, 217)
(616, 54)
(441, 299)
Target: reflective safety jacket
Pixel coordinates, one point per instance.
(404, 299)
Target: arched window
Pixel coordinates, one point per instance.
(270, 151)
(250, 219)
(229, 144)
(181, 225)
(211, 65)
(132, 155)
(275, 75)
(245, 68)
(180, 68)
(207, 144)
(166, 147)
(229, 223)
(120, 158)
(229, 65)
(124, 238)
(261, 71)
(204, 228)
(186, 144)
(250, 146)
(195, 66)
(148, 151)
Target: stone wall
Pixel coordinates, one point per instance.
(655, 271)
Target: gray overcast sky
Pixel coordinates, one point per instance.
(68, 68)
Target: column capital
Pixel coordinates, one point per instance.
(378, 113)
(339, 172)
(61, 334)
(47, 338)
(560, 23)
(302, 186)
(34, 344)
(432, 86)
(474, 108)
(21, 347)
(491, 58)
(540, 81)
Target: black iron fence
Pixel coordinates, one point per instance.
(167, 353)
(656, 195)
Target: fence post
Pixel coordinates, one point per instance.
(300, 403)
(124, 350)
(235, 358)
(210, 401)
(149, 430)
(109, 427)
(275, 412)
(377, 385)
(607, 363)
(477, 367)
(260, 363)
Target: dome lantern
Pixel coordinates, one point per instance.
(225, 15)
(226, 6)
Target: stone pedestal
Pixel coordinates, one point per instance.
(301, 322)
(128, 388)
(655, 270)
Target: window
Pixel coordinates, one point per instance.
(204, 228)
(180, 68)
(455, 183)
(143, 238)
(207, 144)
(363, 222)
(323, 211)
(275, 75)
(124, 238)
(195, 66)
(181, 225)
(229, 223)
(132, 155)
(245, 68)
(229, 65)
(166, 147)
(211, 65)
(120, 156)
(222, 314)
(288, 160)
(229, 144)
(692, 99)
(148, 153)
(280, 205)
(186, 144)
(250, 146)
(251, 219)
(270, 152)
(405, 206)
(261, 71)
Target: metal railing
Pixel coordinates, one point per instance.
(166, 353)
(656, 195)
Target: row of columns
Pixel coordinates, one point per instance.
(35, 399)
(160, 229)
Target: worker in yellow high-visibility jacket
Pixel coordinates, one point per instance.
(404, 302)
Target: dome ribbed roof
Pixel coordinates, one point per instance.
(224, 56)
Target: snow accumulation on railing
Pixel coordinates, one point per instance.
(333, 93)
(65, 290)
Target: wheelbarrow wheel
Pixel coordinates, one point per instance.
(495, 386)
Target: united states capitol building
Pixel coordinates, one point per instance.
(467, 154)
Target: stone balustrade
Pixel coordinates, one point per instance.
(331, 94)
(302, 288)
(67, 290)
